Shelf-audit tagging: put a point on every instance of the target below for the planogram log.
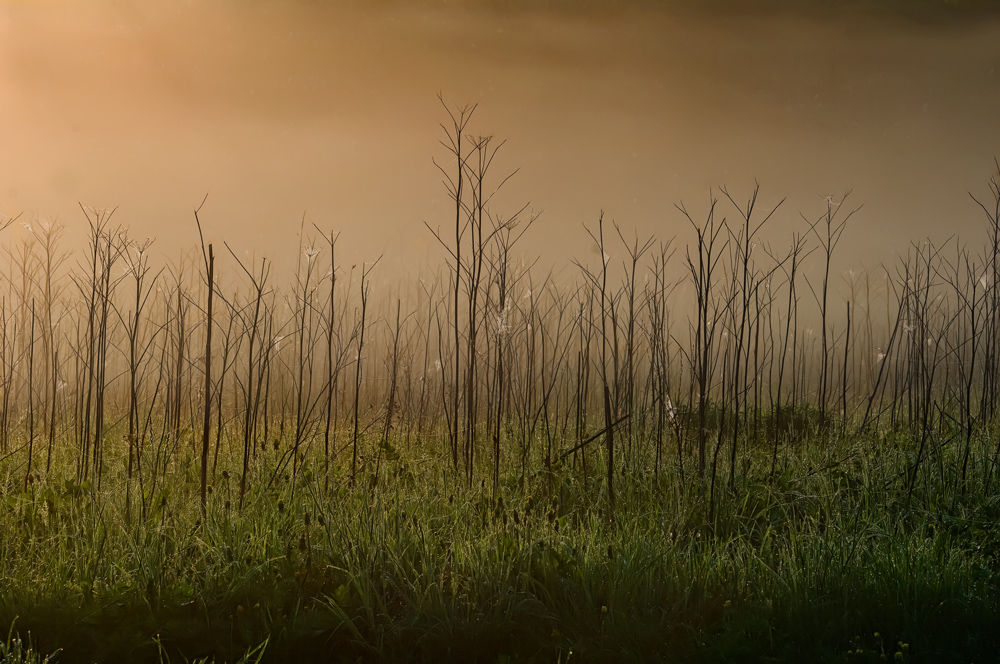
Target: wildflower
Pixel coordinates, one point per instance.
(310, 253)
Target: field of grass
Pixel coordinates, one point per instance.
(714, 454)
(825, 562)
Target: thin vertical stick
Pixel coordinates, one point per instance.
(207, 422)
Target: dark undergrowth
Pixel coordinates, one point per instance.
(829, 561)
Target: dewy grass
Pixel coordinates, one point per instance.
(475, 467)
(427, 568)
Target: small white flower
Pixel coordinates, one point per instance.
(437, 365)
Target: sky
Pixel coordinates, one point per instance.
(292, 114)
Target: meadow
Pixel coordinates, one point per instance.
(709, 448)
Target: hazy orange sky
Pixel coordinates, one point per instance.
(329, 109)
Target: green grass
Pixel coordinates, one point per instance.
(421, 567)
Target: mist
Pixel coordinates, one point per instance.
(290, 115)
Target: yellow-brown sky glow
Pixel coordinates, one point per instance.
(329, 109)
